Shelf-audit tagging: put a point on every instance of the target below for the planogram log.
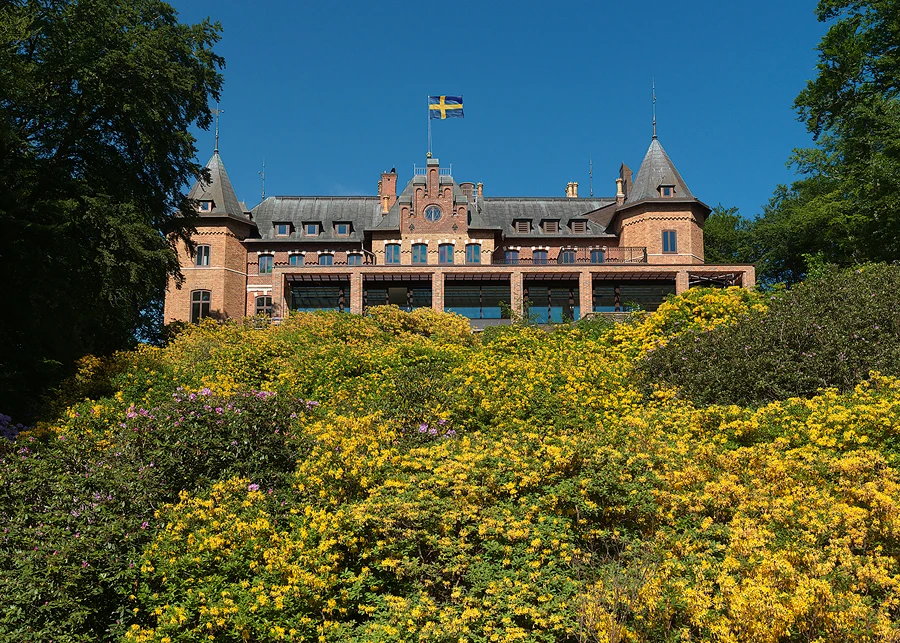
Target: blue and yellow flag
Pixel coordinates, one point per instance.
(445, 107)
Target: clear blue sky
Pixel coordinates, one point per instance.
(333, 93)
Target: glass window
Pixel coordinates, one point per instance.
(473, 253)
(667, 191)
(392, 253)
(511, 256)
(540, 256)
(202, 256)
(311, 229)
(282, 229)
(669, 240)
(295, 260)
(420, 253)
(354, 259)
(432, 213)
(205, 206)
(199, 305)
(265, 264)
(326, 260)
(309, 297)
(264, 306)
(342, 229)
(567, 256)
(445, 253)
(598, 255)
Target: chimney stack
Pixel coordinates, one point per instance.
(387, 190)
(620, 190)
(572, 189)
(479, 189)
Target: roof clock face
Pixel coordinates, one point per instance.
(432, 213)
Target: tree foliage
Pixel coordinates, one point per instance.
(96, 97)
(809, 338)
(846, 205)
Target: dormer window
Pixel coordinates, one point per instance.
(579, 227)
(311, 229)
(206, 206)
(551, 226)
(342, 229)
(282, 229)
(522, 226)
(666, 190)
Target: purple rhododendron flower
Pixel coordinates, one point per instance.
(253, 487)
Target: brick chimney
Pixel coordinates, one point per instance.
(572, 189)
(620, 190)
(387, 190)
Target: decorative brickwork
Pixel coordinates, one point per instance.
(405, 247)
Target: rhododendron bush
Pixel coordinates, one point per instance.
(395, 478)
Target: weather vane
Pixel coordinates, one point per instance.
(653, 94)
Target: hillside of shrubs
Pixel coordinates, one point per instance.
(723, 469)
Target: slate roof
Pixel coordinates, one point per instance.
(657, 169)
(219, 190)
(488, 213)
(361, 212)
(501, 212)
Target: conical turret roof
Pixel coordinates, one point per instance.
(218, 190)
(657, 170)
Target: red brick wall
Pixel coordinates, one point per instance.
(225, 277)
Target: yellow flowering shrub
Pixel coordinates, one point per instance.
(519, 487)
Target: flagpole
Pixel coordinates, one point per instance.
(428, 118)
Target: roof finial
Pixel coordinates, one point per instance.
(217, 111)
(263, 175)
(653, 94)
(591, 172)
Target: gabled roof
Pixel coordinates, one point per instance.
(657, 169)
(361, 212)
(218, 190)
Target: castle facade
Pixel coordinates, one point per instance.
(445, 244)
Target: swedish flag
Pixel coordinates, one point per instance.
(445, 107)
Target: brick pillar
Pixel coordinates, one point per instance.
(356, 292)
(681, 282)
(279, 297)
(748, 279)
(515, 292)
(437, 291)
(585, 292)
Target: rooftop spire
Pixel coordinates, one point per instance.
(653, 95)
(217, 111)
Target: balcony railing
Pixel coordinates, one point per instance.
(581, 256)
(442, 171)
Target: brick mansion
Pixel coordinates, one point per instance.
(445, 244)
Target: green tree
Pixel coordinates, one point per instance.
(846, 207)
(726, 237)
(96, 98)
